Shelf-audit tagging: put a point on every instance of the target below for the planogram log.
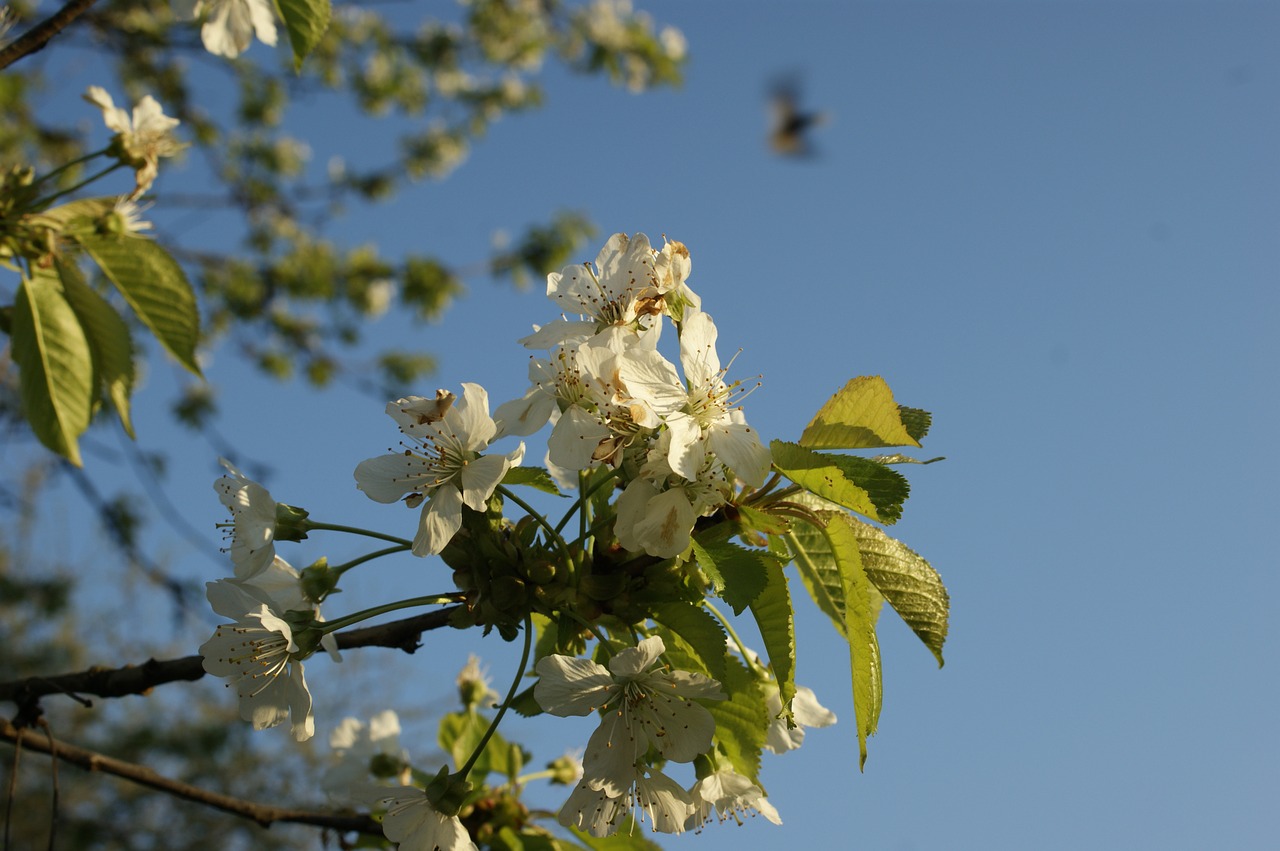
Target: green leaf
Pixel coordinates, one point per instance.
(629, 837)
(811, 552)
(84, 213)
(534, 477)
(910, 584)
(856, 483)
(915, 421)
(775, 619)
(854, 601)
(109, 340)
(55, 364)
(700, 630)
(737, 573)
(306, 21)
(459, 735)
(155, 287)
(861, 415)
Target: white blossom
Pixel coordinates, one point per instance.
(645, 707)
(253, 515)
(661, 801)
(732, 796)
(230, 25)
(259, 656)
(363, 751)
(141, 139)
(441, 463)
(416, 825)
(806, 711)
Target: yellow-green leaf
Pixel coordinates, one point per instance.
(910, 584)
(856, 483)
(834, 548)
(306, 21)
(861, 415)
(109, 340)
(155, 287)
(775, 619)
(55, 365)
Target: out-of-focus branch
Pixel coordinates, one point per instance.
(261, 813)
(38, 36)
(139, 679)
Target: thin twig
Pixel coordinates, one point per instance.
(38, 36)
(139, 679)
(262, 814)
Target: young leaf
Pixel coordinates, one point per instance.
(775, 619)
(699, 629)
(155, 287)
(534, 477)
(910, 584)
(109, 340)
(862, 415)
(915, 421)
(856, 483)
(834, 550)
(628, 837)
(737, 573)
(306, 21)
(55, 364)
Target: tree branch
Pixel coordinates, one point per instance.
(38, 36)
(139, 679)
(262, 814)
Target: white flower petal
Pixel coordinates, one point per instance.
(441, 520)
(569, 686)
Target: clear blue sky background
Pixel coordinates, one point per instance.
(1055, 225)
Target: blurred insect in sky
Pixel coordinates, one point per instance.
(788, 124)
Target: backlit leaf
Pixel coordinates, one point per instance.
(861, 415)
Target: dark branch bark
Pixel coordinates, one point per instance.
(264, 815)
(139, 679)
(38, 36)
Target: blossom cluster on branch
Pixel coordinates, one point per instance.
(678, 503)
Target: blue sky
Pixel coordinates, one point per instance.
(1055, 226)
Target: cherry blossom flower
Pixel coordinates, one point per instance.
(732, 796)
(806, 711)
(253, 514)
(441, 464)
(259, 655)
(416, 825)
(364, 751)
(230, 25)
(140, 140)
(645, 707)
(703, 419)
(661, 801)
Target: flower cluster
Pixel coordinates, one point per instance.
(616, 400)
(654, 445)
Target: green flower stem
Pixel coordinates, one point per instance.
(430, 600)
(356, 530)
(49, 199)
(511, 696)
(581, 502)
(343, 568)
(728, 627)
(590, 533)
(541, 521)
(60, 169)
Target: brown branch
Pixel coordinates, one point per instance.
(139, 679)
(38, 36)
(262, 814)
